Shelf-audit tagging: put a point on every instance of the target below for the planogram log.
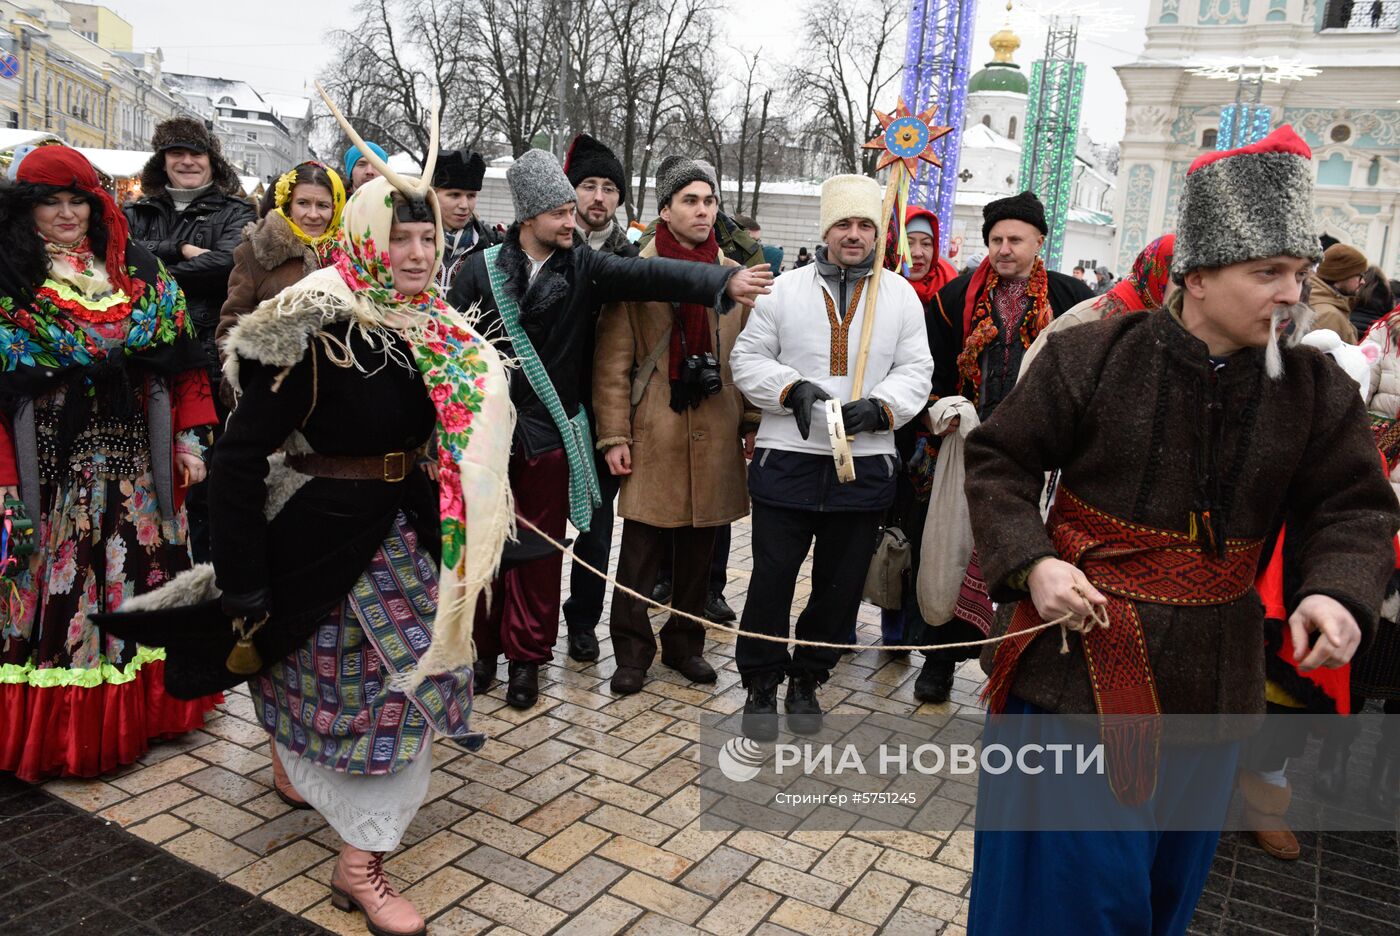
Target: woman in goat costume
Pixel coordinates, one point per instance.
(343, 382)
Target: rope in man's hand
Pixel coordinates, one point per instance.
(1070, 621)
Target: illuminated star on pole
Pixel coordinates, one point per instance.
(908, 138)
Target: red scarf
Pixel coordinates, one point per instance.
(1146, 286)
(940, 272)
(980, 325)
(693, 318)
(64, 168)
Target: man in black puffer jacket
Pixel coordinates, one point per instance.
(192, 216)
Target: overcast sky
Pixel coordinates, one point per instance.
(277, 47)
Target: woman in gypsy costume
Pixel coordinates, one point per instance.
(366, 571)
(295, 238)
(105, 402)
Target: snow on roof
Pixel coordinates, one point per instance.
(119, 164)
(288, 105)
(250, 183)
(243, 95)
(980, 136)
(9, 139)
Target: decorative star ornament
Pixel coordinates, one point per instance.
(908, 138)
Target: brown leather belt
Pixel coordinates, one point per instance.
(391, 466)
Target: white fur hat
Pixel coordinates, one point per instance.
(850, 196)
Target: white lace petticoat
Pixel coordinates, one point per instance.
(370, 812)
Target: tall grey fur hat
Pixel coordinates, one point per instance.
(676, 173)
(538, 184)
(1247, 204)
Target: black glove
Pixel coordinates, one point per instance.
(864, 416)
(801, 397)
(252, 606)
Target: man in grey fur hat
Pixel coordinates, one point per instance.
(539, 293)
(1181, 437)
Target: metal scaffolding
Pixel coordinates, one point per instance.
(1047, 152)
(936, 60)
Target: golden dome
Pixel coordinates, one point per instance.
(1004, 43)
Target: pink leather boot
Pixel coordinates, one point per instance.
(358, 881)
(281, 785)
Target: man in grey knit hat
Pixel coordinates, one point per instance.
(551, 287)
(1180, 440)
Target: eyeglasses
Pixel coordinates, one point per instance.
(592, 188)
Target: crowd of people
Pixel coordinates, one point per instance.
(288, 444)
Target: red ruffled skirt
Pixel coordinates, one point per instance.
(82, 731)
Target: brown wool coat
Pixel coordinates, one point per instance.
(688, 468)
(270, 259)
(1118, 406)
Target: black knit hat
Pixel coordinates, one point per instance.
(589, 159)
(1024, 207)
(459, 169)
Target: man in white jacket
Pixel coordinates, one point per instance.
(798, 350)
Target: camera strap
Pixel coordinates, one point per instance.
(648, 366)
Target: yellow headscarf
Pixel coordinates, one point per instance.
(282, 195)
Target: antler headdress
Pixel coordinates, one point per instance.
(420, 202)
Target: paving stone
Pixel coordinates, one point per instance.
(286, 828)
(569, 846)
(719, 871)
(266, 873)
(441, 889)
(742, 909)
(549, 783)
(559, 813)
(224, 785)
(604, 917)
(665, 899)
(805, 918)
(874, 897)
(630, 824)
(515, 873)
(488, 830)
(206, 850)
(793, 883)
(160, 827)
(643, 857)
(581, 883)
(506, 906)
(148, 804)
(217, 816)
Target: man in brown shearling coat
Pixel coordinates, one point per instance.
(674, 443)
(1181, 436)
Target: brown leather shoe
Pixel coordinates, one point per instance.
(1265, 807)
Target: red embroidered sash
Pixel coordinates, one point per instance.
(1128, 563)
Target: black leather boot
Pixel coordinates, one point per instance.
(583, 644)
(1383, 792)
(1330, 781)
(483, 675)
(760, 720)
(524, 687)
(935, 682)
(804, 712)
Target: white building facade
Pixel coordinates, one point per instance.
(1349, 113)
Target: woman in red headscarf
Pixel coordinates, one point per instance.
(103, 403)
(927, 272)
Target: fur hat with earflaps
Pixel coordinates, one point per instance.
(186, 133)
(1247, 204)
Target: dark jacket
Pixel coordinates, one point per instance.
(214, 221)
(559, 312)
(323, 537)
(456, 259)
(945, 329)
(1138, 421)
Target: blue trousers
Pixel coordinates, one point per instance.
(1139, 880)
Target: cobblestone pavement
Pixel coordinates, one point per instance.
(579, 816)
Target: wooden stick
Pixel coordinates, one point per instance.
(867, 325)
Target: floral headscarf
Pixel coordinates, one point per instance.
(1146, 286)
(282, 196)
(363, 255)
